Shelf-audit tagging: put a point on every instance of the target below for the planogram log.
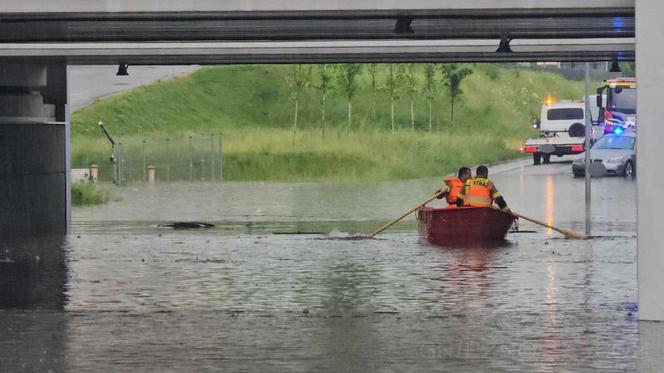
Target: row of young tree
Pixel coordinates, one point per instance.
(396, 80)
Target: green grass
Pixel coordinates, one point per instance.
(360, 156)
(86, 194)
(251, 105)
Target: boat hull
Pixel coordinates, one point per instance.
(465, 225)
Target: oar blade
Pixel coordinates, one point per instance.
(566, 233)
(573, 235)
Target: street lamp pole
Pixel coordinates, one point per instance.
(588, 123)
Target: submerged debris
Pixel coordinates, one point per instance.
(187, 225)
(299, 232)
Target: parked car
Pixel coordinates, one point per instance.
(616, 152)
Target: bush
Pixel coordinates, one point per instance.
(492, 71)
(86, 194)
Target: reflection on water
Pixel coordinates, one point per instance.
(271, 288)
(466, 273)
(33, 273)
(551, 342)
(549, 204)
(354, 301)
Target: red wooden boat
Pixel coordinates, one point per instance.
(464, 225)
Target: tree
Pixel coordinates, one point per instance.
(325, 75)
(453, 75)
(373, 72)
(298, 82)
(430, 88)
(628, 68)
(411, 88)
(393, 88)
(347, 75)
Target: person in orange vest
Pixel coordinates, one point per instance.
(453, 187)
(480, 191)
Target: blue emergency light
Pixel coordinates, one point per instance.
(618, 131)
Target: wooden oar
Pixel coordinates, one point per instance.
(384, 227)
(566, 233)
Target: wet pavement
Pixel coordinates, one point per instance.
(106, 83)
(278, 285)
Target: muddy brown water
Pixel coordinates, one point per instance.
(272, 287)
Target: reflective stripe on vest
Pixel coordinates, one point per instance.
(478, 193)
(455, 186)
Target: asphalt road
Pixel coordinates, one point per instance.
(89, 83)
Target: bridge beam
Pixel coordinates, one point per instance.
(292, 20)
(353, 51)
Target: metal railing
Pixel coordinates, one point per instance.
(170, 159)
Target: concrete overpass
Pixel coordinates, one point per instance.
(39, 39)
(269, 31)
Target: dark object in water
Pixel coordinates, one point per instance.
(187, 225)
(298, 232)
(347, 238)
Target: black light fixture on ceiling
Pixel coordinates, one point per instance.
(122, 69)
(615, 66)
(504, 46)
(403, 26)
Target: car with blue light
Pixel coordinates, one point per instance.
(614, 154)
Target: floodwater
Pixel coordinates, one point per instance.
(278, 286)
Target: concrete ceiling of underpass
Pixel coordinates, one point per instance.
(359, 31)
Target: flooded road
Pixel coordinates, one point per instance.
(277, 286)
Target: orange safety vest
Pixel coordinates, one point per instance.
(455, 186)
(478, 193)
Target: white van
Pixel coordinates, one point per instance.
(562, 130)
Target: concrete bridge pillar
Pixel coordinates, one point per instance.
(650, 158)
(34, 193)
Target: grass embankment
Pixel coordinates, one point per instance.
(253, 108)
(364, 156)
(85, 194)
